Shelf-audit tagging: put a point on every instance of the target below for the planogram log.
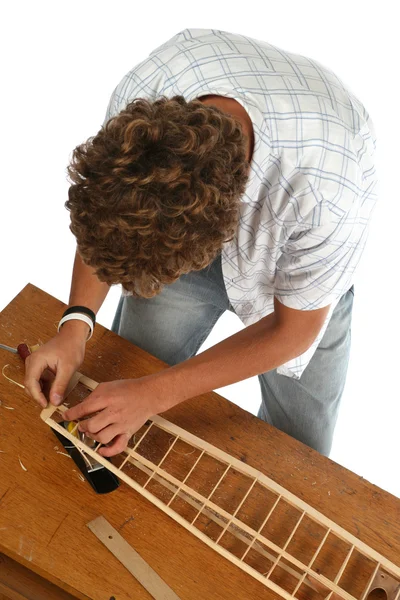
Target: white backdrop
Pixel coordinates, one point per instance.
(60, 63)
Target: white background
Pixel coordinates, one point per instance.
(60, 63)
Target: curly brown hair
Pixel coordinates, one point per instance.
(156, 192)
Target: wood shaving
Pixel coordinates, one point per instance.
(63, 453)
(81, 477)
(9, 378)
(8, 407)
(20, 462)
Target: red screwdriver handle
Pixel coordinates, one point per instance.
(23, 351)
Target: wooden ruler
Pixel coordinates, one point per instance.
(135, 564)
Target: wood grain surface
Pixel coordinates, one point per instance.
(44, 510)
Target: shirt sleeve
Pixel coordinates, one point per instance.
(317, 264)
(318, 260)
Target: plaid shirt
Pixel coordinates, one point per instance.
(312, 186)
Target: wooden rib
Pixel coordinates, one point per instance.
(262, 527)
(286, 545)
(310, 564)
(367, 590)
(236, 511)
(344, 565)
(157, 468)
(207, 500)
(135, 446)
(299, 585)
(178, 489)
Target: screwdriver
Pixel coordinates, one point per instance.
(22, 350)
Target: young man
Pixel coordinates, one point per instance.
(228, 175)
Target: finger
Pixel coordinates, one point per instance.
(90, 405)
(107, 434)
(33, 372)
(46, 381)
(60, 384)
(96, 423)
(119, 444)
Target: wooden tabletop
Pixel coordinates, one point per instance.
(44, 510)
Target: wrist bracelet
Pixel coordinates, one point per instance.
(79, 317)
(81, 309)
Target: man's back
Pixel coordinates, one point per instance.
(311, 189)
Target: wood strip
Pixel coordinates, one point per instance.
(321, 578)
(175, 516)
(273, 486)
(243, 468)
(344, 565)
(236, 511)
(213, 517)
(206, 501)
(178, 489)
(157, 468)
(131, 560)
(296, 589)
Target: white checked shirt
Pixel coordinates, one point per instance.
(312, 185)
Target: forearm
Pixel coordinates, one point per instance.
(258, 348)
(86, 290)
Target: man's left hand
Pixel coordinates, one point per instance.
(122, 407)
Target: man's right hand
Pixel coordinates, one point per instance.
(55, 362)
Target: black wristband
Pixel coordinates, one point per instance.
(81, 309)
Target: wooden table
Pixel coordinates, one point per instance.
(44, 510)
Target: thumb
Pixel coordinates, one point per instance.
(59, 386)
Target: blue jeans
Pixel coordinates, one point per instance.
(174, 324)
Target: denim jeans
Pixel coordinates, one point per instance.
(174, 324)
